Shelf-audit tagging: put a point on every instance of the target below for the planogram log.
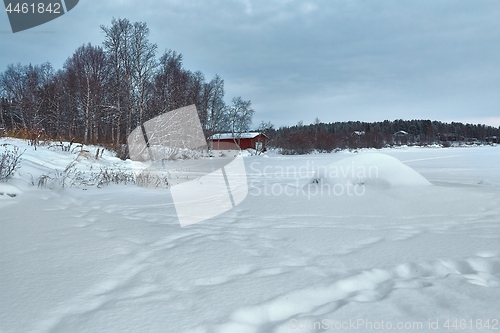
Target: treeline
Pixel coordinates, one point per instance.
(103, 92)
(325, 137)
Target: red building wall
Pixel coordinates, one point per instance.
(244, 143)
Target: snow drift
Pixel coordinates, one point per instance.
(9, 190)
(370, 169)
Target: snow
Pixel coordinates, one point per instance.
(9, 190)
(225, 136)
(373, 169)
(420, 245)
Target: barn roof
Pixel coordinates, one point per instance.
(226, 136)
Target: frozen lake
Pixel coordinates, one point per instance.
(418, 248)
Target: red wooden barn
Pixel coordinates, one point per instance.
(224, 141)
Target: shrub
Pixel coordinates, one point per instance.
(110, 176)
(10, 159)
(446, 144)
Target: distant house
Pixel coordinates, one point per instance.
(400, 134)
(492, 139)
(225, 141)
(400, 137)
(358, 133)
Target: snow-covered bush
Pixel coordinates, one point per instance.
(10, 158)
(73, 177)
(152, 179)
(111, 176)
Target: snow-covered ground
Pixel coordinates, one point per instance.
(405, 241)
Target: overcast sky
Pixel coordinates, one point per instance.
(297, 60)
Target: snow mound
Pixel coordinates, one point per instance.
(486, 183)
(7, 190)
(369, 169)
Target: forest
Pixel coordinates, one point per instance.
(326, 137)
(103, 92)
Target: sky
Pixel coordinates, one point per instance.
(298, 60)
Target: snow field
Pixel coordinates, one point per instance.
(116, 260)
